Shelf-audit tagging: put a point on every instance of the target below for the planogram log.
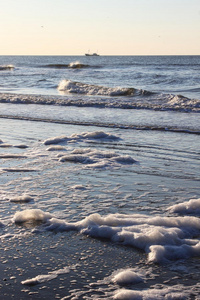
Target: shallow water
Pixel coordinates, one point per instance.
(165, 173)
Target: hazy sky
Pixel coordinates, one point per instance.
(111, 27)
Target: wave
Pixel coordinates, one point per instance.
(69, 86)
(6, 67)
(87, 95)
(72, 65)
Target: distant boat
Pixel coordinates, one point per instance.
(91, 54)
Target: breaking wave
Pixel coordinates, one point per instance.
(6, 67)
(106, 97)
(72, 65)
(69, 86)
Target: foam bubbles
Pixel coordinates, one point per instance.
(78, 187)
(39, 279)
(43, 278)
(89, 157)
(56, 148)
(165, 293)
(188, 207)
(22, 199)
(80, 137)
(126, 277)
(162, 238)
(55, 140)
(31, 214)
(94, 135)
(76, 158)
(96, 159)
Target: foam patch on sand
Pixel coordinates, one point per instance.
(188, 207)
(56, 148)
(39, 279)
(24, 199)
(43, 278)
(150, 294)
(56, 140)
(31, 214)
(126, 277)
(100, 135)
(78, 187)
(97, 159)
(94, 135)
(89, 157)
(162, 238)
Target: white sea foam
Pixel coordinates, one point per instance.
(81, 151)
(100, 135)
(162, 238)
(89, 156)
(95, 135)
(6, 67)
(43, 278)
(96, 159)
(141, 99)
(77, 65)
(78, 187)
(170, 293)
(56, 148)
(39, 279)
(188, 207)
(126, 277)
(31, 214)
(55, 140)
(24, 198)
(76, 158)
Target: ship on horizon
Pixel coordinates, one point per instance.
(91, 54)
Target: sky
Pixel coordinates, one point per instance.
(111, 27)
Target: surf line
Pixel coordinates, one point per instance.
(105, 125)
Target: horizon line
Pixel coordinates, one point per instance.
(100, 55)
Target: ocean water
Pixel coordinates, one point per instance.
(99, 166)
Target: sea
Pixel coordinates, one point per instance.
(99, 177)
